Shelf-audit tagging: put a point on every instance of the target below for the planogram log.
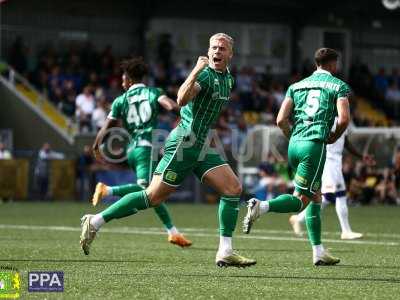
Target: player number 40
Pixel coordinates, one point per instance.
(312, 102)
(139, 115)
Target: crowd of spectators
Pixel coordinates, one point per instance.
(83, 81)
(381, 89)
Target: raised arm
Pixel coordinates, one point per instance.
(343, 120)
(283, 118)
(190, 88)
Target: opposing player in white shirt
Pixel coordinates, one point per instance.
(333, 187)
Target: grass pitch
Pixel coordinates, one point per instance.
(132, 259)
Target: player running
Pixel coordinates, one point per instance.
(202, 96)
(138, 109)
(312, 105)
(334, 188)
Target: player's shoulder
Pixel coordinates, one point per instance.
(155, 91)
(338, 80)
(121, 98)
(206, 72)
(299, 84)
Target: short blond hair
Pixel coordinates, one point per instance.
(224, 36)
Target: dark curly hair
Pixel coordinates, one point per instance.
(135, 68)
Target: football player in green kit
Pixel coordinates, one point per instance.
(138, 110)
(186, 150)
(311, 104)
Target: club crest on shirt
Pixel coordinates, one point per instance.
(171, 176)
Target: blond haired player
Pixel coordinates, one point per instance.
(203, 94)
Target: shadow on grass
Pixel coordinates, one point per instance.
(262, 276)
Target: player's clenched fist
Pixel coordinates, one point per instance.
(202, 62)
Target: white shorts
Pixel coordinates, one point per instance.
(332, 177)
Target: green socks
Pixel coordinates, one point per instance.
(313, 223)
(122, 190)
(117, 211)
(163, 214)
(285, 203)
(126, 206)
(227, 214)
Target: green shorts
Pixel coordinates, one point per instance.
(180, 158)
(142, 161)
(307, 158)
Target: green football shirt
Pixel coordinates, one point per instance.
(314, 101)
(200, 114)
(138, 108)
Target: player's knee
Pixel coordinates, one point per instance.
(142, 183)
(155, 198)
(233, 189)
(305, 200)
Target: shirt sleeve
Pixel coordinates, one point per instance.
(344, 91)
(289, 93)
(160, 92)
(203, 79)
(115, 112)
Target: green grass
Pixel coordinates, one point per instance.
(131, 259)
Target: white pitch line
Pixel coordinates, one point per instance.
(151, 231)
(270, 231)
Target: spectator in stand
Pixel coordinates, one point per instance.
(185, 70)
(17, 56)
(244, 85)
(266, 78)
(42, 169)
(381, 82)
(395, 76)
(85, 105)
(55, 81)
(278, 94)
(93, 81)
(239, 133)
(4, 153)
(115, 75)
(386, 188)
(99, 115)
(393, 97)
(57, 96)
(84, 166)
(115, 89)
(68, 105)
(393, 92)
